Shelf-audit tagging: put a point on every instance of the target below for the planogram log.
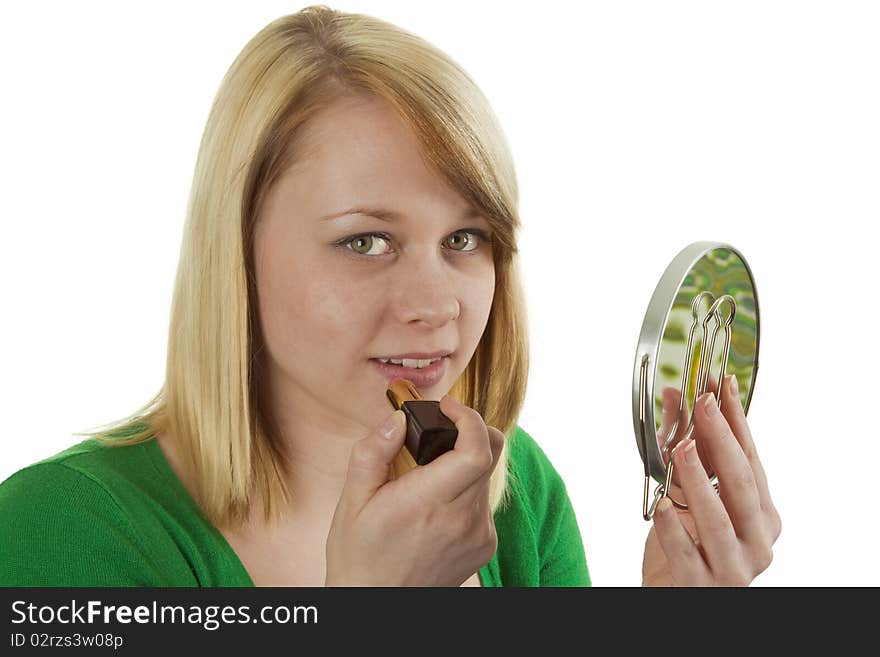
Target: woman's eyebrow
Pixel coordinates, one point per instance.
(385, 214)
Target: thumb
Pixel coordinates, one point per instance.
(369, 466)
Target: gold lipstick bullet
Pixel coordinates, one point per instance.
(429, 433)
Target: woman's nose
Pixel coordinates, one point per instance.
(426, 292)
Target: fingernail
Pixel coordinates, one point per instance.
(668, 408)
(392, 423)
(663, 506)
(689, 453)
(734, 386)
(710, 406)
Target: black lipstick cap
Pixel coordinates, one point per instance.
(429, 433)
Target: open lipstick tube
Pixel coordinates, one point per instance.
(429, 433)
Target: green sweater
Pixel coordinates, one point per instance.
(94, 515)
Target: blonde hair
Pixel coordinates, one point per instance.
(211, 402)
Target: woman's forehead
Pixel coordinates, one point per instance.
(362, 155)
(355, 135)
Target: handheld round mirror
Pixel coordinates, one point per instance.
(702, 324)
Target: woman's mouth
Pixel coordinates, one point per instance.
(423, 373)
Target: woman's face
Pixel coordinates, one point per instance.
(339, 289)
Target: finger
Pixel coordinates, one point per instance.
(483, 516)
(447, 476)
(737, 486)
(672, 401)
(672, 410)
(713, 384)
(732, 409)
(705, 459)
(714, 529)
(673, 425)
(685, 561)
(476, 496)
(369, 464)
(479, 489)
(496, 444)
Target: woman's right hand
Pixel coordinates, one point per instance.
(432, 526)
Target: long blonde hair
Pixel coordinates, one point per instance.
(211, 402)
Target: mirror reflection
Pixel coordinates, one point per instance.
(714, 309)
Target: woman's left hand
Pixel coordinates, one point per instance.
(724, 538)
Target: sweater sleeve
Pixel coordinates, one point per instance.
(59, 527)
(560, 547)
(564, 562)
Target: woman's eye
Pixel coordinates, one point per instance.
(463, 240)
(377, 244)
(367, 244)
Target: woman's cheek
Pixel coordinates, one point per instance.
(480, 293)
(337, 307)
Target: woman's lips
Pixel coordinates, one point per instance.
(423, 377)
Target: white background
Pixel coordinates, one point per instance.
(636, 128)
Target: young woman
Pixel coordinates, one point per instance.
(354, 204)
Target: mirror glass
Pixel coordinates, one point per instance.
(713, 282)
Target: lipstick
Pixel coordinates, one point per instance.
(429, 433)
